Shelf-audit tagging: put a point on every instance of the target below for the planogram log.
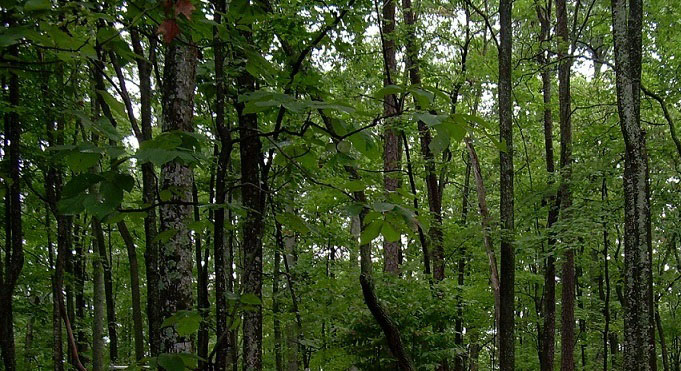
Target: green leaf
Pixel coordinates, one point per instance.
(429, 119)
(171, 362)
(37, 5)
(389, 232)
(370, 232)
(81, 161)
(294, 222)
(250, 299)
(439, 143)
(383, 206)
(387, 90)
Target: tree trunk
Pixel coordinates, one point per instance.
(253, 199)
(134, 289)
(567, 315)
(507, 284)
(201, 284)
(392, 151)
(223, 160)
(276, 311)
(460, 359)
(485, 221)
(14, 252)
(639, 317)
(149, 191)
(176, 255)
(99, 299)
(549, 311)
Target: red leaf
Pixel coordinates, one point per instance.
(184, 7)
(169, 29)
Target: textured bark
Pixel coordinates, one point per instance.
(176, 255)
(13, 261)
(507, 273)
(134, 289)
(568, 280)
(639, 328)
(223, 354)
(253, 199)
(547, 351)
(392, 151)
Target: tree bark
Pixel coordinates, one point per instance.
(14, 253)
(507, 274)
(176, 255)
(549, 310)
(639, 328)
(253, 199)
(567, 315)
(392, 151)
(223, 160)
(98, 299)
(134, 289)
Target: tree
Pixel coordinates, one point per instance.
(639, 330)
(176, 255)
(507, 271)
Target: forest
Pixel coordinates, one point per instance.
(450, 185)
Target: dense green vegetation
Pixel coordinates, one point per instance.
(355, 184)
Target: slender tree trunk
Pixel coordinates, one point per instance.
(253, 199)
(392, 151)
(80, 265)
(549, 311)
(567, 362)
(176, 255)
(99, 300)
(149, 190)
(14, 253)
(201, 284)
(639, 317)
(134, 289)
(460, 359)
(276, 311)
(507, 284)
(223, 354)
(663, 343)
(606, 274)
(485, 221)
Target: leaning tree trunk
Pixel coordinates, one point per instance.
(507, 273)
(176, 255)
(639, 317)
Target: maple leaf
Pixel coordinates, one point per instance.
(169, 29)
(184, 7)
